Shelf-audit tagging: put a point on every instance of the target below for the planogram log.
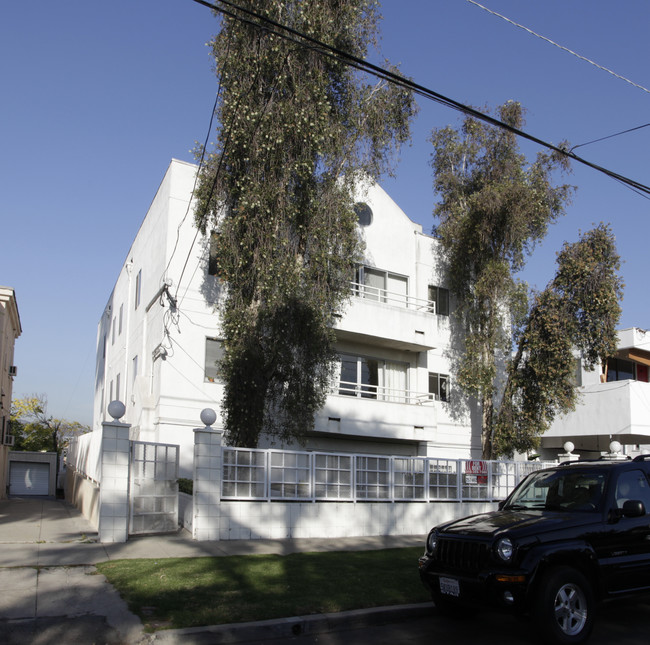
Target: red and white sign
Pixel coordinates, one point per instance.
(476, 467)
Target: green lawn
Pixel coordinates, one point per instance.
(188, 592)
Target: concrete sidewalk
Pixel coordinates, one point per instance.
(53, 594)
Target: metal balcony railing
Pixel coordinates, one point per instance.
(381, 393)
(392, 298)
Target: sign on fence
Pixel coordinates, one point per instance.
(476, 471)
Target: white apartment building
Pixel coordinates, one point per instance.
(614, 404)
(10, 330)
(159, 339)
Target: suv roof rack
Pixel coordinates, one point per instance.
(604, 459)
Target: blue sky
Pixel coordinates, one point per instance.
(98, 97)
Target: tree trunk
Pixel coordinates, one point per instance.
(486, 429)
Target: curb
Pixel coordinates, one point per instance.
(284, 628)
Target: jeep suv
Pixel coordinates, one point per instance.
(566, 538)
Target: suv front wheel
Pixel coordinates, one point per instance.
(564, 611)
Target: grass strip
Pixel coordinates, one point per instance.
(189, 592)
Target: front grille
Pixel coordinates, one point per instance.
(463, 555)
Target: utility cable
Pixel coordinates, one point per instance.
(288, 33)
(566, 49)
(196, 178)
(645, 125)
(178, 229)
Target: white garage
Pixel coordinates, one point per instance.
(32, 474)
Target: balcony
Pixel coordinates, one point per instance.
(616, 410)
(390, 319)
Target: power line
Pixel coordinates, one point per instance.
(645, 125)
(566, 49)
(178, 229)
(282, 31)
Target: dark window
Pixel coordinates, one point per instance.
(439, 386)
(373, 378)
(439, 296)
(213, 265)
(364, 213)
(633, 485)
(138, 287)
(380, 285)
(618, 369)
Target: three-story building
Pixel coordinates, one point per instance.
(159, 338)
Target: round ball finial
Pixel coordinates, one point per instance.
(615, 447)
(208, 416)
(569, 447)
(116, 409)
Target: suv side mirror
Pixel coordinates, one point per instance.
(633, 508)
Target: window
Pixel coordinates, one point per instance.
(439, 296)
(619, 369)
(373, 378)
(138, 288)
(364, 213)
(577, 372)
(117, 387)
(213, 356)
(439, 386)
(212, 254)
(382, 286)
(113, 332)
(135, 367)
(633, 485)
(121, 317)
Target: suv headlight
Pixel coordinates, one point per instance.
(432, 542)
(505, 549)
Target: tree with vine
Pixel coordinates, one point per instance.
(298, 132)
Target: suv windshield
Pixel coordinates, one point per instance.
(559, 490)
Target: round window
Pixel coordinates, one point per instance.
(364, 213)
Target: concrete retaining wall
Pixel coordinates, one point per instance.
(84, 494)
(274, 520)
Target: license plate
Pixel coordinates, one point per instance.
(449, 587)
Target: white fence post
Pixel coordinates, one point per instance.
(207, 479)
(114, 488)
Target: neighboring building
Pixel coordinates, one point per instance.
(614, 404)
(159, 341)
(10, 330)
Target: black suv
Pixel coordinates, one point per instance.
(564, 539)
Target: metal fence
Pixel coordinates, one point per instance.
(314, 476)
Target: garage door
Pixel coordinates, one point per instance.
(27, 478)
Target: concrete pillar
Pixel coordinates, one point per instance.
(207, 479)
(114, 486)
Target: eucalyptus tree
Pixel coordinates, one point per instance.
(298, 130)
(575, 316)
(493, 208)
